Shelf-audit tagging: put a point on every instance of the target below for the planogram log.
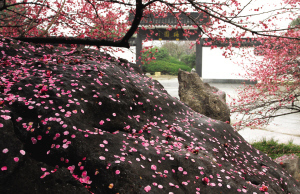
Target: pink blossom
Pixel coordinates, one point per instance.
(44, 175)
(102, 158)
(184, 183)
(5, 117)
(263, 188)
(66, 132)
(205, 180)
(153, 167)
(3, 168)
(33, 140)
(147, 188)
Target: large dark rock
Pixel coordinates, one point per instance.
(80, 122)
(202, 97)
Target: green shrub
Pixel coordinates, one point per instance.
(189, 60)
(176, 61)
(164, 63)
(164, 67)
(275, 149)
(161, 54)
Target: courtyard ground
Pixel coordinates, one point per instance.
(283, 129)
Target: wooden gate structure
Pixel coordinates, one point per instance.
(158, 28)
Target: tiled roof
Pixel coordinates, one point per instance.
(170, 19)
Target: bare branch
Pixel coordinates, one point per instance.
(241, 10)
(136, 21)
(118, 2)
(261, 13)
(22, 3)
(63, 40)
(53, 20)
(30, 25)
(239, 26)
(279, 29)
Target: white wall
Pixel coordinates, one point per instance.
(216, 66)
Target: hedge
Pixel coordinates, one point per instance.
(164, 67)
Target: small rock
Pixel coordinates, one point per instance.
(290, 163)
(202, 97)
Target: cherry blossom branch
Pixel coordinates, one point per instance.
(30, 26)
(261, 13)
(241, 10)
(136, 21)
(139, 7)
(54, 19)
(283, 114)
(22, 3)
(118, 2)
(278, 29)
(63, 40)
(123, 43)
(239, 26)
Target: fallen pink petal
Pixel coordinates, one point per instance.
(147, 188)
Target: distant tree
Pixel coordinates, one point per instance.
(155, 53)
(295, 22)
(178, 49)
(189, 60)
(181, 50)
(174, 49)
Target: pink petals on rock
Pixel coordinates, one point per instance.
(147, 188)
(153, 167)
(102, 158)
(205, 180)
(16, 159)
(5, 117)
(4, 168)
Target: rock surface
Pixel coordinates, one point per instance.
(202, 97)
(290, 163)
(82, 122)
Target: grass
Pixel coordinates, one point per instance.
(275, 149)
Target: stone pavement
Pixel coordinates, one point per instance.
(283, 129)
